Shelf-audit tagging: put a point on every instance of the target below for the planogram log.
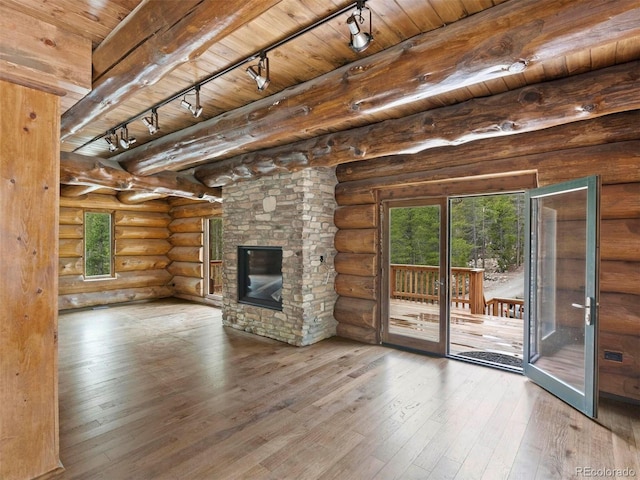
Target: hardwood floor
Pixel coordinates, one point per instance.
(162, 391)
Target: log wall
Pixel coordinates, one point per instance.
(616, 160)
(141, 251)
(187, 253)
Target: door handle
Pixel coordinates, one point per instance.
(587, 309)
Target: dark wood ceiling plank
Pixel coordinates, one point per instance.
(465, 53)
(204, 25)
(422, 14)
(590, 95)
(80, 170)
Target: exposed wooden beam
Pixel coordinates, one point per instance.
(467, 52)
(38, 55)
(80, 170)
(590, 95)
(148, 19)
(204, 24)
(131, 197)
(612, 128)
(78, 190)
(622, 160)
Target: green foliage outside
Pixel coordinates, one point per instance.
(215, 238)
(415, 235)
(97, 244)
(483, 227)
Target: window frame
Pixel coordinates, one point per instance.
(112, 273)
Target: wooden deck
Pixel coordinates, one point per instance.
(468, 332)
(162, 391)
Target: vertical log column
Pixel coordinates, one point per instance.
(38, 62)
(29, 171)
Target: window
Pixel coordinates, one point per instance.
(214, 255)
(98, 244)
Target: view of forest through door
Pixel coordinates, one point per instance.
(487, 270)
(416, 309)
(482, 298)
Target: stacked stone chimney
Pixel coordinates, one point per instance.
(293, 211)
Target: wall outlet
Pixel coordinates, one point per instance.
(613, 356)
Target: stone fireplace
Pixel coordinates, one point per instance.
(292, 212)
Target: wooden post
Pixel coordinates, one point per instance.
(39, 61)
(29, 202)
(476, 291)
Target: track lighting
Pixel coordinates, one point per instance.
(125, 140)
(112, 140)
(260, 72)
(152, 122)
(196, 109)
(359, 40)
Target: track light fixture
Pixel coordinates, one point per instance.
(112, 141)
(260, 72)
(152, 122)
(196, 109)
(125, 140)
(359, 40)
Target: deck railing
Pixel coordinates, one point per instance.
(215, 277)
(420, 283)
(505, 307)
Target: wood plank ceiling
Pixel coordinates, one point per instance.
(117, 28)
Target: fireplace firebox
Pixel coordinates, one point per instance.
(260, 276)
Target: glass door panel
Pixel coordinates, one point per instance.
(560, 337)
(415, 289)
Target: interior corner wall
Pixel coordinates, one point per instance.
(612, 152)
(140, 251)
(187, 253)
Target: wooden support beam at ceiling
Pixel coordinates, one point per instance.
(523, 33)
(77, 190)
(205, 23)
(619, 127)
(590, 95)
(80, 170)
(131, 197)
(145, 21)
